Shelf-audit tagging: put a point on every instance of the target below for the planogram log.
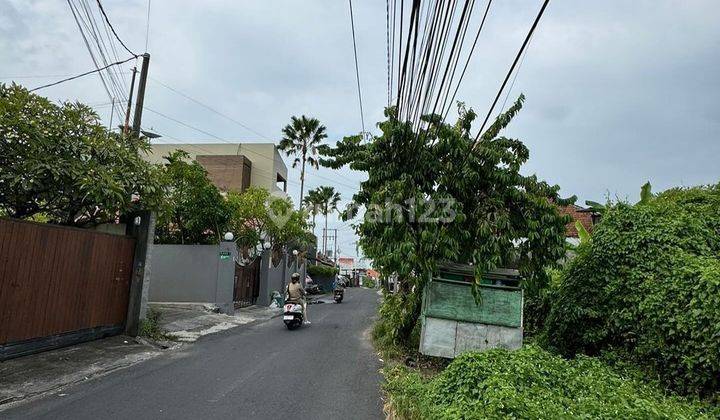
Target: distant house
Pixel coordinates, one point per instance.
(587, 217)
(346, 264)
(233, 166)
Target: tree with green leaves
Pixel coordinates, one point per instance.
(258, 218)
(59, 164)
(301, 138)
(437, 194)
(193, 210)
(328, 200)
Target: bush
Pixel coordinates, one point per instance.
(648, 285)
(322, 271)
(369, 282)
(530, 383)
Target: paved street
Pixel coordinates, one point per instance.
(325, 371)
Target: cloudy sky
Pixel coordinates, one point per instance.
(618, 92)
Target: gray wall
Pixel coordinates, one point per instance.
(271, 278)
(276, 277)
(194, 273)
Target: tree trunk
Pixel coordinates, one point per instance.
(302, 181)
(325, 233)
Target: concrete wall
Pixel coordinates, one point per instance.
(276, 277)
(194, 273)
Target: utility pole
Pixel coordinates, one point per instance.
(143, 228)
(141, 94)
(325, 242)
(335, 247)
(126, 128)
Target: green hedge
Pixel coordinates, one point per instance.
(322, 271)
(531, 383)
(647, 286)
(369, 282)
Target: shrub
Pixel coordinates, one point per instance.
(648, 285)
(322, 271)
(530, 383)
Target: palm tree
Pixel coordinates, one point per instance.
(328, 199)
(312, 203)
(301, 138)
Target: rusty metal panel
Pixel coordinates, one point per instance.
(56, 280)
(247, 283)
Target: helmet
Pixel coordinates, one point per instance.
(295, 277)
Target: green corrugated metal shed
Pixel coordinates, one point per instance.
(452, 321)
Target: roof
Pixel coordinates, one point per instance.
(577, 213)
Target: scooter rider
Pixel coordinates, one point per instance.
(296, 294)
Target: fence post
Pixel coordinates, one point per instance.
(144, 234)
(264, 287)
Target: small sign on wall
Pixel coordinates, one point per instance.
(224, 255)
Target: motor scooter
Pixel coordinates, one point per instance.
(293, 315)
(338, 294)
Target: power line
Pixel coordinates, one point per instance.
(387, 25)
(81, 75)
(467, 61)
(357, 69)
(229, 142)
(208, 107)
(517, 57)
(94, 32)
(113, 29)
(512, 84)
(76, 14)
(147, 27)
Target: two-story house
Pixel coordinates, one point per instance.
(233, 166)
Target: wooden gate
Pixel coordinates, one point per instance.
(60, 285)
(247, 283)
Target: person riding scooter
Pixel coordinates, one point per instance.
(338, 290)
(296, 294)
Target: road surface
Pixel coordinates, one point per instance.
(327, 370)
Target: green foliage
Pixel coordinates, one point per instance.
(369, 282)
(150, 327)
(536, 304)
(313, 204)
(258, 217)
(583, 234)
(60, 165)
(322, 271)
(648, 285)
(448, 198)
(531, 383)
(193, 211)
(301, 138)
(645, 193)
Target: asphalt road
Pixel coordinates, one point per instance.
(326, 370)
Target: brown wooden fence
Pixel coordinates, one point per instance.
(247, 283)
(57, 280)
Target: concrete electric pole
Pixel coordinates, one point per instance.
(141, 94)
